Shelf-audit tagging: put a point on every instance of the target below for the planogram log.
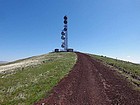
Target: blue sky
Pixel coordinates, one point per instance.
(105, 27)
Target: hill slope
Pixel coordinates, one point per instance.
(28, 80)
(90, 82)
(127, 69)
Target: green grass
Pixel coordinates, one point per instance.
(131, 70)
(28, 85)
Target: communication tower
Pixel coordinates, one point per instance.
(64, 34)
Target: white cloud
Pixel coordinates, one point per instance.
(130, 59)
(128, 56)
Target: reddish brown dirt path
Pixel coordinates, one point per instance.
(92, 83)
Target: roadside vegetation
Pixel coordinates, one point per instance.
(27, 85)
(128, 69)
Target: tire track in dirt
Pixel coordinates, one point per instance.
(92, 83)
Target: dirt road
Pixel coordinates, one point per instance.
(92, 83)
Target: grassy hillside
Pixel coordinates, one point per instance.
(26, 85)
(128, 69)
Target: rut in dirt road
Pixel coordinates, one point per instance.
(92, 83)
